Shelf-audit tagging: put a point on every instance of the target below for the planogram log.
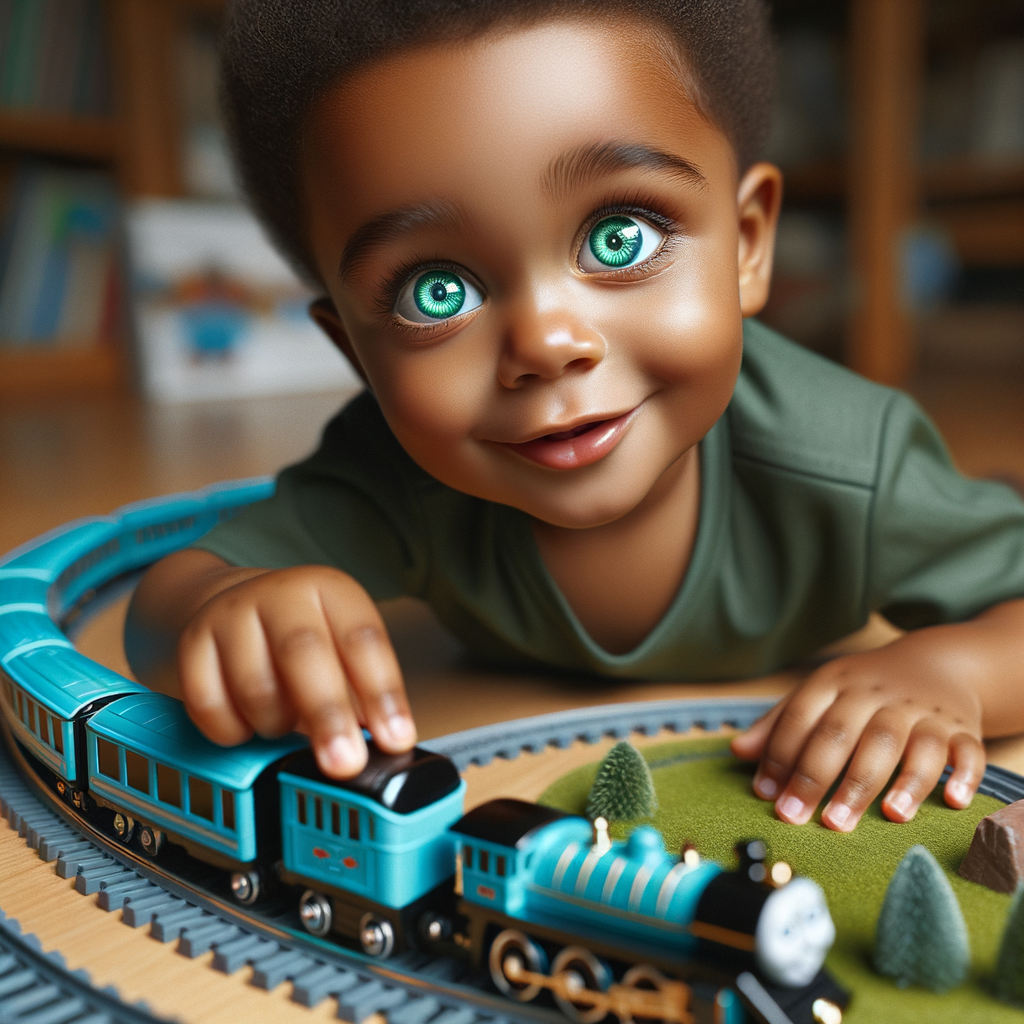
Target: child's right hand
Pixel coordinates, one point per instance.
(268, 651)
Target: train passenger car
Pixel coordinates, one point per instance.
(162, 780)
(46, 693)
(552, 903)
(373, 852)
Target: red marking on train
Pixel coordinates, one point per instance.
(320, 853)
(350, 862)
(486, 891)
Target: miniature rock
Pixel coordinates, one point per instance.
(996, 856)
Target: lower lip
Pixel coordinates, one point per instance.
(575, 452)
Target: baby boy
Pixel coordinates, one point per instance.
(541, 228)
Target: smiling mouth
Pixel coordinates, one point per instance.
(576, 447)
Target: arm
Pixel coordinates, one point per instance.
(925, 700)
(256, 650)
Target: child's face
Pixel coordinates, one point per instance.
(474, 210)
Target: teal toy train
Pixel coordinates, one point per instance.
(543, 902)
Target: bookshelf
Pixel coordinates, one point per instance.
(139, 142)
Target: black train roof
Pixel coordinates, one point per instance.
(506, 822)
(400, 782)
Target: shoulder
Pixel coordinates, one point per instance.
(358, 448)
(801, 413)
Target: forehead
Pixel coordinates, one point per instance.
(475, 117)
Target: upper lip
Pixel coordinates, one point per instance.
(585, 422)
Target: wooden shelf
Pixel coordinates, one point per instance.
(88, 138)
(60, 371)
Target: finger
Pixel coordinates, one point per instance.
(876, 758)
(204, 692)
(749, 745)
(923, 762)
(371, 667)
(307, 667)
(967, 755)
(789, 735)
(248, 673)
(826, 752)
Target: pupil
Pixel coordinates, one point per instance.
(438, 292)
(614, 242)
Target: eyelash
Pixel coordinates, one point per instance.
(632, 205)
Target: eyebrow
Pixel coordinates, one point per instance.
(576, 167)
(393, 224)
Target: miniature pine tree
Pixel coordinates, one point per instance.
(623, 787)
(921, 937)
(1009, 983)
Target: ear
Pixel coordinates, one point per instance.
(326, 316)
(758, 200)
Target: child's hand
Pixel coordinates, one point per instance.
(295, 648)
(869, 713)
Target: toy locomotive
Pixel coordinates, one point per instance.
(542, 900)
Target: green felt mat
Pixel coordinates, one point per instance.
(705, 797)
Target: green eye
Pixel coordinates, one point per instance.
(615, 241)
(439, 294)
(619, 241)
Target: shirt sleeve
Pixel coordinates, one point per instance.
(350, 505)
(942, 547)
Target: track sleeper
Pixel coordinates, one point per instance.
(138, 912)
(314, 986)
(65, 1009)
(16, 981)
(31, 999)
(416, 1011)
(233, 956)
(287, 964)
(167, 927)
(197, 941)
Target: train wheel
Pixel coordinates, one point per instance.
(511, 952)
(315, 913)
(150, 839)
(643, 976)
(376, 936)
(124, 827)
(582, 970)
(245, 887)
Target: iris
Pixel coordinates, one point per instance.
(616, 241)
(439, 294)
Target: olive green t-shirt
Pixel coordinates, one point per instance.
(824, 497)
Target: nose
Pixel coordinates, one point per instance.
(545, 344)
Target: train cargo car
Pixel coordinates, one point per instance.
(163, 781)
(374, 852)
(47, 693)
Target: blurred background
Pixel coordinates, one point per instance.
(151, 341)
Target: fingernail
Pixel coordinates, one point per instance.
(901, 802)
(400, 729)
(959, 792)
(766, 788)
(837, 814)
(339, 754)
(791, 807)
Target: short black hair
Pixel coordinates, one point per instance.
(279, 56)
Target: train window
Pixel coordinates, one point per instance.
(485, 861)
(137, 771)
(168, 784)
(228, 807)
(200, 798)
(499, 866)
(58, 734)
(336, 819)
(33, 716)
(109, 762)
(17, 704)
(353, 823)
(467, 856)
(301, 807)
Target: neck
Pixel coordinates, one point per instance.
(620, 578)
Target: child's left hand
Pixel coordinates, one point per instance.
(910, 703)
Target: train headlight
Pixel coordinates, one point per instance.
(794, 932)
